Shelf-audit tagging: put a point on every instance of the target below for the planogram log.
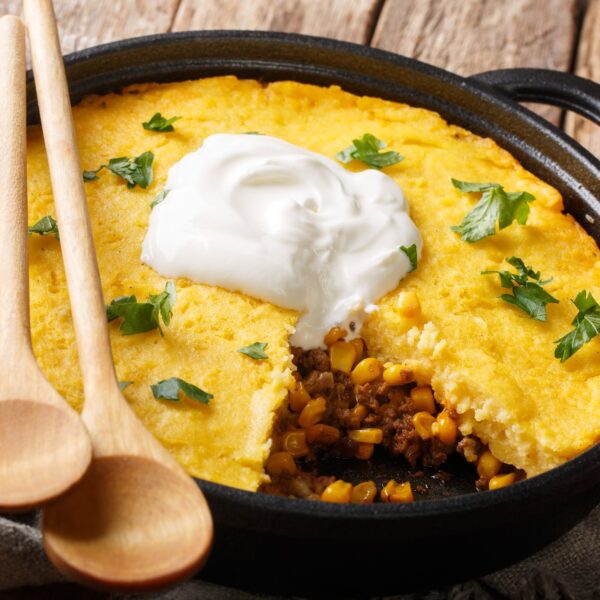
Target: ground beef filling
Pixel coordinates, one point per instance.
(346, 403)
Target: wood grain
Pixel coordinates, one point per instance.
(471, 36)
(588, 65)
(350, 20)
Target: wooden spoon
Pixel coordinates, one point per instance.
(44, 447)
(136, 520)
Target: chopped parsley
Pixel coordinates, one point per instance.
(495, 205)
(139, 317)
(411, 253)
(124, 384)
(170, 389)
(135, 171)
(45, 226)
(587, 326)
(526, 287)
(159, 198)
(367, 149)
(255, 351)
(159, 123)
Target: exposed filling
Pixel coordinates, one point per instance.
(343, 405)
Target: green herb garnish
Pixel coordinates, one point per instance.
(159, 198)
(527, 295)
(255, 351)
(124, 384)
(587, 326)
(45, 226)
(367, 149)
(169, 389)
(159, 123)
(135, 171)
(495, 205)
(139, 317)
(411, 253)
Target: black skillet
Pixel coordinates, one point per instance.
(276, 544)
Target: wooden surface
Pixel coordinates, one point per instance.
(464, 36)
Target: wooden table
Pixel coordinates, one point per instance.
(464, 36)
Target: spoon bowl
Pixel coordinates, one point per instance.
(131, 523)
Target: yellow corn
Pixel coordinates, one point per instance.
(359, 346)
(364, 451)
(445, 428)
(396, 492)
(281, 463)
(334, 334)
(409, 305)
(500, 481)
(368, 369)
(366, 436)
(422, 398)
(342, 356)
(339, 491)
(322, 434)
(397, 375)
(311, 414)
(294, 442)
(364, 493)
(360, 411)
(298, 397)
(488, 465)
(423, 422)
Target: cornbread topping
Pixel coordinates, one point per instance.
(256, 214)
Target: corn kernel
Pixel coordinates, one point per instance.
(359, 345)
(281, 463)
(364, 493)
(364, 451)
(500, 481)
(397, 492)
(422, 398)
(298, 397)
(339, 492)
(397, 375)
(360, 411)
(294, 442)
(368, 369)
(342, 356)
(322, 434)
(488, 465)
(366, 436)
(334, 334)
(423, 422)
(409, 305)
(445, 428)
(313, 412)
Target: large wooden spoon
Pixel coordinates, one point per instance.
(136, 520)
(44, 447)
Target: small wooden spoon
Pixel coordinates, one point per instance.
(44, 447)
(136, 520)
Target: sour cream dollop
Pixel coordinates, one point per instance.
(255, 214)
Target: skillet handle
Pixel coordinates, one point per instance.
(547, 87)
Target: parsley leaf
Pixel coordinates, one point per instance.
(495, 205)
(139, 317)
(45, 226)
(255, 351)
(587, 326)
(411, 253)
(367, 149)
(159, 123)
(159, 198)
(169, 389)
(124, 384)
(527, 295)
(135, 171)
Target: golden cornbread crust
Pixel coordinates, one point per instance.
(484, 358)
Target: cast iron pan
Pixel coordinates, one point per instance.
(267, 543)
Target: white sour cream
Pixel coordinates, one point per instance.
(255, 214)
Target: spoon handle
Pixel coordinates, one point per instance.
(83, 278)
(15, 342)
